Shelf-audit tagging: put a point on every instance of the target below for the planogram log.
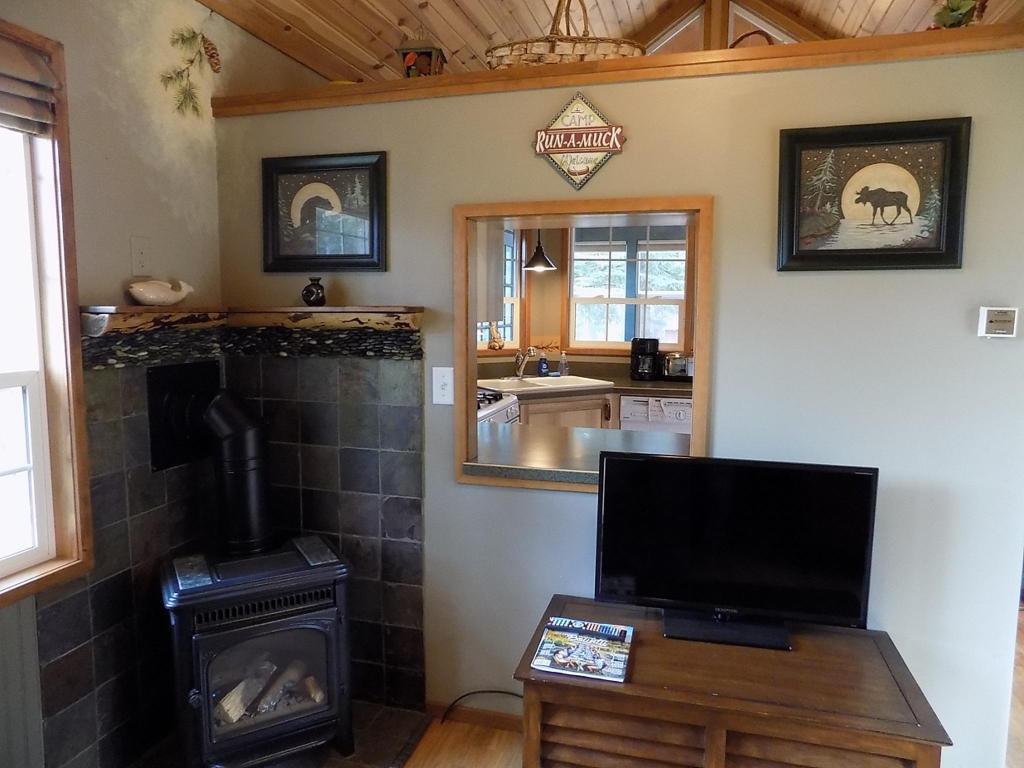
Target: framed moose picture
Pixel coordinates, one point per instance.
(882, 196)
(325, 213)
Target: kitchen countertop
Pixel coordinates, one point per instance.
(560, 454)
(619, 386)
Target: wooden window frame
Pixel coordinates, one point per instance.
(521, 302)
(701, 209)
(61, 348)
(619, 350)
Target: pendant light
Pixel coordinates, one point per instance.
(539, 262)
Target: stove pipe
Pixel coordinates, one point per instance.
(245, 514)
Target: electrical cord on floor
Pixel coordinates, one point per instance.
(474, 693)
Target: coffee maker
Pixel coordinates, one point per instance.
(643, 359)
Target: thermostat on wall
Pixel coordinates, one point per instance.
(997, 322)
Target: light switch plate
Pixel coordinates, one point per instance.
(997, 322)
(444, 386)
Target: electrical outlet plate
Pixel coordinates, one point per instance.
(443, 386)
(142, 255)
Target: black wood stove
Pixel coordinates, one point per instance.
(261, 654)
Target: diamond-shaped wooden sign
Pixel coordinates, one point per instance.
(579, 141)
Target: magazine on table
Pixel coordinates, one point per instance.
(584, 648)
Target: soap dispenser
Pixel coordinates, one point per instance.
(543, 368)
(563, 364)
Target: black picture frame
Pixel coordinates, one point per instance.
(812, 234)
(325, 213)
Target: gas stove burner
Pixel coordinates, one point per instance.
(486, 398)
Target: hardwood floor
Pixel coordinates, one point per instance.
(461, 745)
(1015, 747)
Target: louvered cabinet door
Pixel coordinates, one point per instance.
(574, 736)
(754, 751)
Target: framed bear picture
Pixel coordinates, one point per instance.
(881, 196)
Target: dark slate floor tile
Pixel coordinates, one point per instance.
(69, 732)
(318, 424)
(66, 679)
(360, 513)
(401, 427)
(133, 391)
(403, 605)
(110, 546)
(114, 651)
(105, 447)
(242, 375)
(116, 701)
(149, 535)
(280, 378)
(403, 647)
(320, 511)
(401, 474)
(283, 464)
(389, 738)
(136, 440)
(281, 418)
(146, 489)
(367, 639)
(363, 555)
(63, 626)
(103, 394)
(358, 380)
(402, 518)
(319, 467)
(364, 713)
(405, 688)
(359, 470)
(111, 601)
(358, 425)
(109, 499)
(401, 382)
(365, 599)
(318, 379)
(401, 562)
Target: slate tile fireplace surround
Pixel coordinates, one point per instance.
(345, 443)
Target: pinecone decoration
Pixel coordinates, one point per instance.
(212, 54)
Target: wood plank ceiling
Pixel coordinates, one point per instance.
(355, 40)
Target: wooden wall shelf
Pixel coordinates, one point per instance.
(100, 320)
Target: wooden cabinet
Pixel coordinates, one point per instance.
(842, 698)
(594, 411)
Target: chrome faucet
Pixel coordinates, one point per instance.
(522, 359)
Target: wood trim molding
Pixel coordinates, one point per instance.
(784, 19)
(664, 21)
(464, 344)
(716, 24)
(767, 58)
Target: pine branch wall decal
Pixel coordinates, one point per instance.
(197, 50)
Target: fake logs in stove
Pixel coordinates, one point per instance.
(260, 632)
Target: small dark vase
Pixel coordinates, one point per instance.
(313, 294)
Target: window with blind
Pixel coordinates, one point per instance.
(44, 516)
(511, 280)
(628, 282)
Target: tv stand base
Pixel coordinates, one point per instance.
(684, 625)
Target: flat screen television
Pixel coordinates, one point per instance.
(733, 549)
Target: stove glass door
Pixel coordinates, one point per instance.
(265, 677)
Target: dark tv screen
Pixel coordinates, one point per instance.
(764, 539)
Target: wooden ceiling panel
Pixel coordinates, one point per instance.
(356, 39)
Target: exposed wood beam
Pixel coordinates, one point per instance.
(784, 19)
(290, 41)
(716, 25)
(768, 58)
(674, 13)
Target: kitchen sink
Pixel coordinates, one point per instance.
(512, 384)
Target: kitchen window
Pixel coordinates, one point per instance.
(627, 282)
(45, 531)
(511, 288)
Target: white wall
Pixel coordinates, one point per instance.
(875, 368)
(138, 167)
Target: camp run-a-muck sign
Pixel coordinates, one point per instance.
(579, 141)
